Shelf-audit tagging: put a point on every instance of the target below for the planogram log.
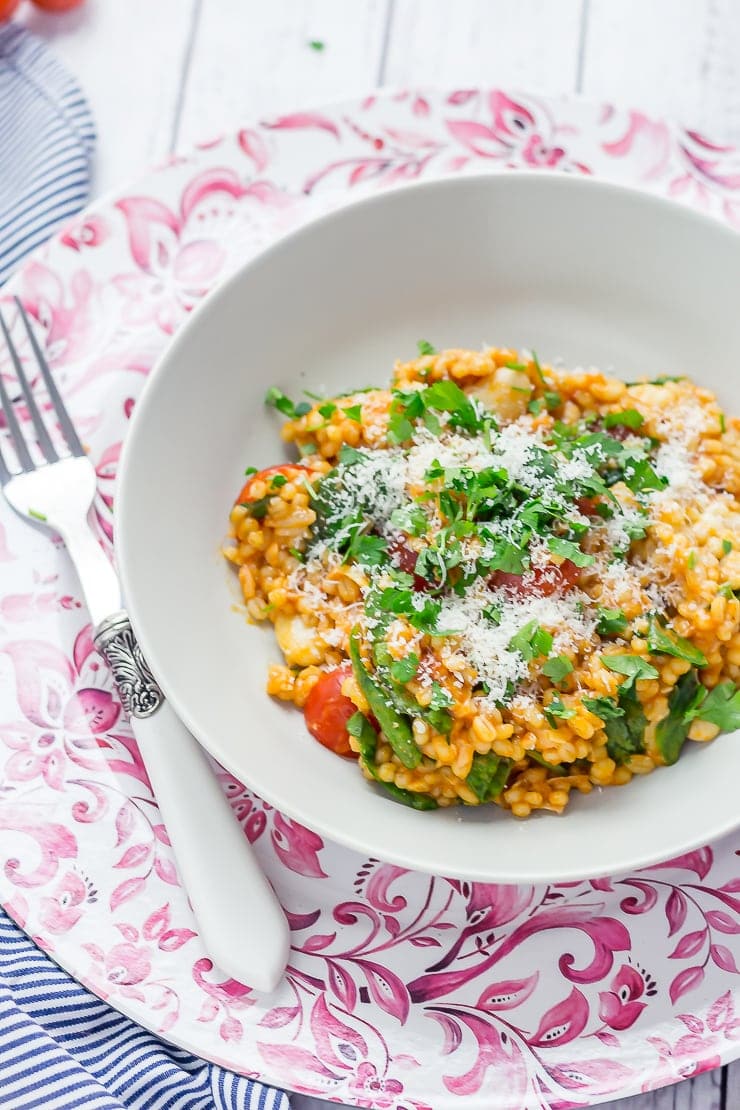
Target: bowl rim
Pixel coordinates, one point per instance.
(546, 177)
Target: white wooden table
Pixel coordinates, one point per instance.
(161, 74)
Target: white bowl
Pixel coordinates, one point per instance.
(592, 273)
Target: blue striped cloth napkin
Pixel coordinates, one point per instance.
(60, 1047)
(47, 137)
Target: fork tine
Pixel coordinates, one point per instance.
(66, 425)
(19, 443)
(5, 474)
(42, 435)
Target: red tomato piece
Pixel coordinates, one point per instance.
(404, 557)
(288, 469)
(588, 506)
(540, 580)
(57, 5)
(327, 711)
(7, 7)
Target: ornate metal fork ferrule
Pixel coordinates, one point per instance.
(116, 641)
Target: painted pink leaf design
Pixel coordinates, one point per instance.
(602, 884)
(338, 1044)
(134, 855)
(386, 989)
(654, 139)
(168, 1022)
(304, 1067)
(153, 231)
(718, 919)
(279, 1017)
(126, 890)
(174, 939)
(128, 932)
(508, 993)
(342, 985)
(505, 1058)
(83, 647)
(602, 1075)
(692, 1023)
(156, 922)
(688, 945)
(319, 941)
(43, 680)
(254, 146)
(167, 871)
(299, 120)
(231, 1029)
(675, 910)
(462, 96)
(562, 1022)
(636, 905)
(300, 921)
(721, 1013)
(297, 847)
(125, 819)
(208, 1010)
(511, 117)
(95, 952)
(476, 137)
(452, 1032)
(420, 106)
(425, 942)
(377, 890)
(198, 264)
(723, 958)
(205, 184)
(161, 834)
(686, 980)
(607, 1038)
(699, 861)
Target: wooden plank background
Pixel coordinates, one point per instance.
(162, 74)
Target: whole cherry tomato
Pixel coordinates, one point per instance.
(57, 5)
(288, 470)
(7, 7)
(327, 711)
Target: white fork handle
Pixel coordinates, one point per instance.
(242, 925)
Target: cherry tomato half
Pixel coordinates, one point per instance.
(588, 506)
(540, 580)
(7, 7)
(289, 470)
(57, 5)
(404, 557)
(327, 711)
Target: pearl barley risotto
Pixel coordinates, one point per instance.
(497, 581)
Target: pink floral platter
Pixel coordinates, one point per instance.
(403, 990)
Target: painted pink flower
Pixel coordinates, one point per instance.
(370, 1089)
(620, 1007)
(179, 254)
(63, 909)
(65, 714)
(127, 964)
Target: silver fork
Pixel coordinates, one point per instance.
(241, 923)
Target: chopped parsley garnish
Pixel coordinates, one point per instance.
(611, 622)
(403, 670)
(628, 418)
(283, 404)
(557, 668)
(317, 44)
(726, 547)
(666, 642)
(720, 706)
(633, 667)
(354, 412)
(569, 550)
(625, 734)
(425, 348)
(531, 641)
